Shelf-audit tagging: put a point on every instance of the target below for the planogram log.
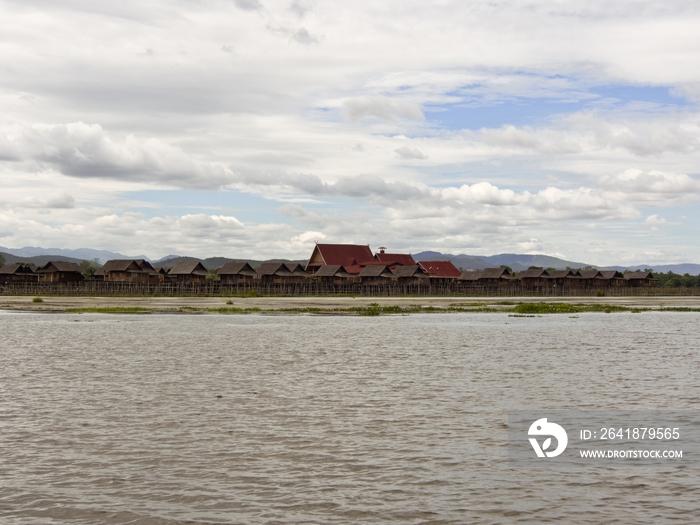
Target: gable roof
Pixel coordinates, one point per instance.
(124, 265)
(341, 253)
(11, 269)
(404, 259)
(329, 270)
(610, 274)
(495, 273)
(409, 271)
(60, 266)
(376, 270)
(440, 268)
(273, 268)
(237, 268)
(638, 275)
(558, 274)
(532, 274)
(188, 268)
(470, 275)
(589, 274)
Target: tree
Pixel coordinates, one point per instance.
(90, 267)
(535, 268)
(507, 268)
(2, 260)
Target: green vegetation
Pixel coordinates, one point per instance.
(90, 267)
(566, 308)
(37, 300)
(674, 280)
(110, 310)
(2, 260)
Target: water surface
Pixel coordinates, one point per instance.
(159, 419)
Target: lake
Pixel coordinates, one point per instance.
(257, 419)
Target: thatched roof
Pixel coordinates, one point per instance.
(60, 266)
(376, 270)
(188, 268)
(638, 275)
(610, 274)
(409, 271)
(237, 268)
(126, 265)
(11, 269)
(273, 268)
(532, 274)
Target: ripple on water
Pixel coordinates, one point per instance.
(216, 419)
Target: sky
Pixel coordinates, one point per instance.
(254, 128)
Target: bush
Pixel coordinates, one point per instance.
(37, 300)
(600, 293)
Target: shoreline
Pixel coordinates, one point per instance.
(344, 305)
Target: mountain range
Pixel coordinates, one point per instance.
(517, 262)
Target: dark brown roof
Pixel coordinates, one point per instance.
(237, 268)
(495, 273)
(610, 274)
(409, 271)
(296, 269)
(558, 274)
(60, 266)
(124, 265)
(589, 274)
(404, 259)
(530, 274)
(341, 253)
(273, 268)
(11, 269)
(376, 270)
(440, 268)
(188, 268)
(328, 270)
(638, 275)
(470, 275)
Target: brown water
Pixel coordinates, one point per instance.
(260, 419)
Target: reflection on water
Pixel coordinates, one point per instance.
(257, 419)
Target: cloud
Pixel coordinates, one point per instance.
(654, 222)
(380, 107)
(300, 8)
(87, 151)
(248, 5)
(410, 153)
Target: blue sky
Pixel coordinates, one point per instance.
(246, 128)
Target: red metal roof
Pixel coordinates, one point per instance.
(341, 253)
(440, 268)
(404, 259)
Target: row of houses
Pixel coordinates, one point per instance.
(329, 263)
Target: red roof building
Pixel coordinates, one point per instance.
(442, 269)
(394, 259)
(343, 254)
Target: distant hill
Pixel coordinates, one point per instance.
(519, 262)
(217, 262)
(80, 254)
(39, 260)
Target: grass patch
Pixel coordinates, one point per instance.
(37, 300)
(566, 308)
(234, 310)
(110, 310)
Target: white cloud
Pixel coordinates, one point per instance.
(381, 107)
(410, 153)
